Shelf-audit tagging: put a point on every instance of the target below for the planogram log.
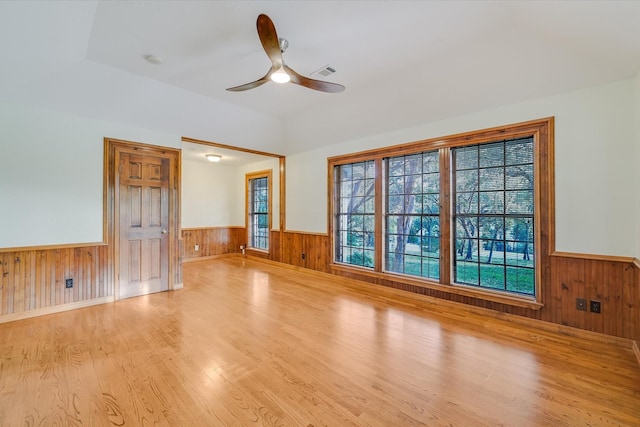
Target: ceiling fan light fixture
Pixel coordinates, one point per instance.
(213, 157)
(279, 72)
(280, 76)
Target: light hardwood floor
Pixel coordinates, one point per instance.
(249, 344)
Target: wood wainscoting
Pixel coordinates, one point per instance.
(33, 279)
(614, 281)
(211, 242)
(274, 248)
(216, 241)
(308, 250)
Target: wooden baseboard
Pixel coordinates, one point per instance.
(456, 306)
(177, 286)
(55, 309)
(207, 258)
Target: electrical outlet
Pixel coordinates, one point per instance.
(196, 248)
(594, 306)
(304, 256)
(68, 283)
(581, 304)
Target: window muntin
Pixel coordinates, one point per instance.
(258, 215)
(412, 214)
(493, 215)
(354, 186)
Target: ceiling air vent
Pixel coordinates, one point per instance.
(324, 71)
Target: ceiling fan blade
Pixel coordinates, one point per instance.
(251, 85)
(272, 47)
(269, 40)
(320, 85)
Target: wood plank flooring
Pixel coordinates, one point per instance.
(250, 344)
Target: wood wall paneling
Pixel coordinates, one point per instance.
(274, 245)
(216, 241)
(211, 241)
(315, 247)
(35, 279)
(614, 283)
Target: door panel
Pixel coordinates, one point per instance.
(144, 224)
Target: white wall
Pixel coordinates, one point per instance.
(208, 195)
(596, 197)
(51, 171)
(213, 194)
(51, 179)
(636, 194)
(51, 174)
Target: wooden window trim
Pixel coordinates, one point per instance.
(248, 177)
(542, 131)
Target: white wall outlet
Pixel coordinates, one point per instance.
(196, 248)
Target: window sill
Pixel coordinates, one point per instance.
(468, 291)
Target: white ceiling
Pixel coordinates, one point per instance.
(403, 62)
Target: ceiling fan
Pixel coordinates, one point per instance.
(279, 71)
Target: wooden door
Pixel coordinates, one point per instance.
(143, 204)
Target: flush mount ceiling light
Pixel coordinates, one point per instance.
(213, 157)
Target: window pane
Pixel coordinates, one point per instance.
(491, 179)
(431, 203)
(519, 202)
(493, 214)
(467, 203)
(492, 276)
(519, 151)
(466, 272)
(414, 187)
(396, 185)
(355, 210)
(396, 167)
(519, 177)
(492, 202)
(520, 280)
(431, 162)
(491, 154)
(467, 180)
(258, 204)
(466, 158)
(431, 183)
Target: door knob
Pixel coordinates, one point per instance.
(164, 231)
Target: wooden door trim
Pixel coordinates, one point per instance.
(112, 150)
(282, 220)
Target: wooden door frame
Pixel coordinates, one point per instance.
(112, 150)
(282, 220)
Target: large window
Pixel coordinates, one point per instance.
(493, 215)
(412, 214)
(355, 214)
(463, 213)
(259, 209)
